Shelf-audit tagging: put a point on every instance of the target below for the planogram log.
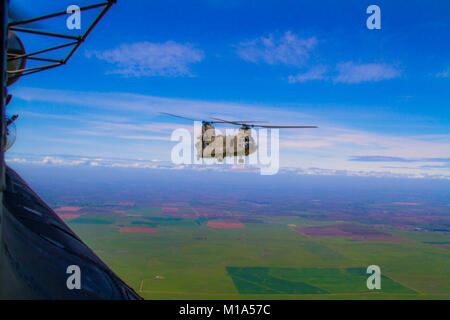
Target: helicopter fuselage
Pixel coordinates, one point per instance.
(211, 146)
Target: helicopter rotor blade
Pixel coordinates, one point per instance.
(248, 124)
(177, 116)
(191, 119)
(230, 122)
(242, 121)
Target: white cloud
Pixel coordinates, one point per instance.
(145, 134)
(302, 143)
(350, 72)
(146, 137)
(71, 161)
(138, 104)
(290, 50)
(151, 59)
(315, 73)
(443, 74)
(286, 50)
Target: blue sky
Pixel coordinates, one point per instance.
(380, 97)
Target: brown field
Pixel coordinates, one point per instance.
(225, 225)
(183, 212)
(137, 229)
(68, 209)
(120, 204)
(407, 203)
(445, 246)
(119, 211)
(69, 216)
(348, 230)
(126, 203)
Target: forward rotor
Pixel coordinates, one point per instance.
(246, 125)
(205, 121)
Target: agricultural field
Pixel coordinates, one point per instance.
(165, 256)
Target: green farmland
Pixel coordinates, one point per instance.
(261, 280)
(187, 259)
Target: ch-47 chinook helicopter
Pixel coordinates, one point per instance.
(210, 145)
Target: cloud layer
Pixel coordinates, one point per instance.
(293, 51)
(349, 73)
(315, 73)
(444, 73)
(397, 159)
(78, 161)
(133, 126)
(172, 59)
(288, 49)
(151, 59)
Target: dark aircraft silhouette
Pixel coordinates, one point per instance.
(37, 249)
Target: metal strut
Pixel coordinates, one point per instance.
(75, 44)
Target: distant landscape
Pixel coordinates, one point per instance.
(235, 235)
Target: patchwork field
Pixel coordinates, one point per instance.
(261, 280)
(189, 258)
(137, 229)
(67, 216)
(67, 209)
(348, 230)
(225, 225)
